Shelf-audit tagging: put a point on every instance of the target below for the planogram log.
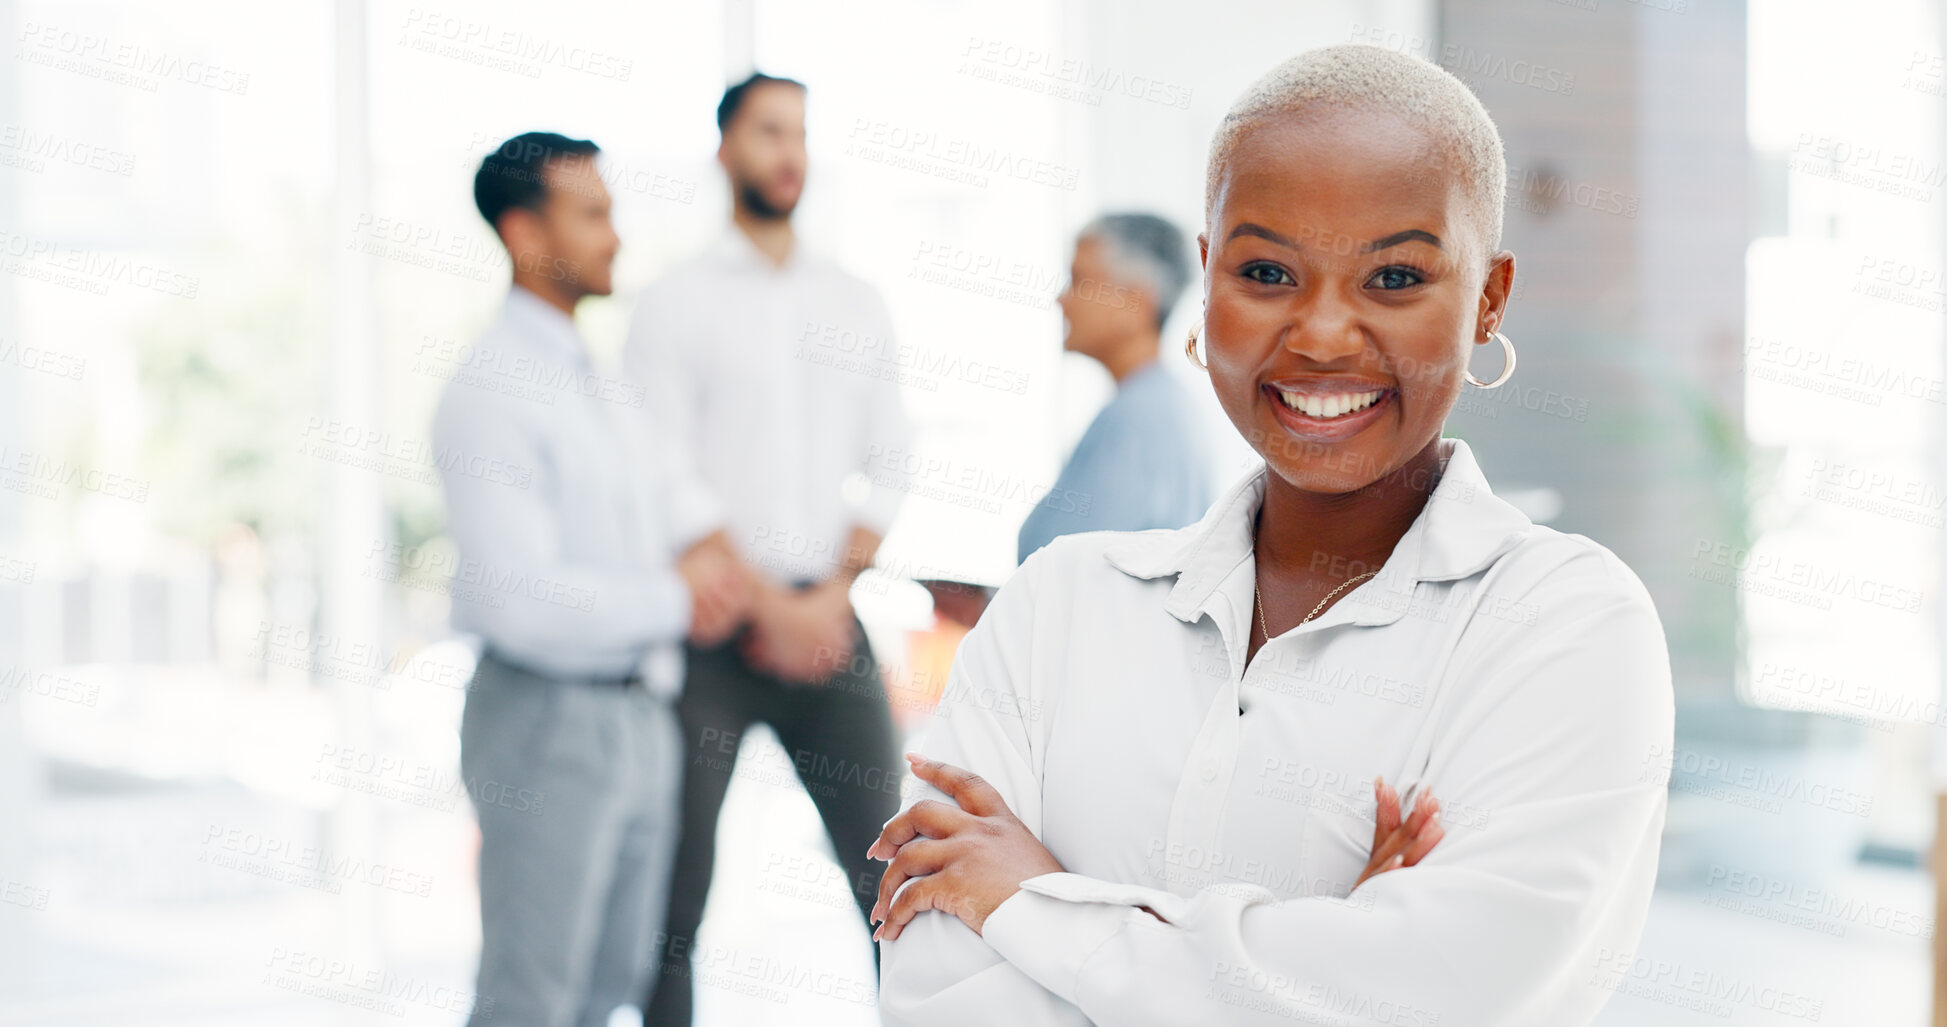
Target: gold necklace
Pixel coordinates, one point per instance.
(1259, 593)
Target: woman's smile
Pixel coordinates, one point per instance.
(1329, 409)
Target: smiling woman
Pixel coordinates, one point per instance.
(1141, 804)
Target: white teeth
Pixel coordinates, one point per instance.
(1330, 406)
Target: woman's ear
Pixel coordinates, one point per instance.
(1203, 250)
(1495, 292)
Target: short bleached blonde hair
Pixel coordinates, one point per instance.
(1372, 79)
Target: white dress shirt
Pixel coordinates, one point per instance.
(1519, 673)
(782, 385)
(567, 516)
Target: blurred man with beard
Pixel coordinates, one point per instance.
(590, 553)
(777, 373)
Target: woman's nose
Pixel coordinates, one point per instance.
(1323, 332)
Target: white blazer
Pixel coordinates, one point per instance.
(1519, 672)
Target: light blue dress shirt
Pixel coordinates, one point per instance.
(1142, 463)
(567, 516)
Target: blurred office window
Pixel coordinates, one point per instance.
(1844, 393)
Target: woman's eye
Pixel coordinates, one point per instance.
(1267, 274)
(1396, 277)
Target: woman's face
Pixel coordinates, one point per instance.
(1344, 281)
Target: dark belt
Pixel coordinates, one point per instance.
(598, 680)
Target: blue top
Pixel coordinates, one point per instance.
(1141, 464)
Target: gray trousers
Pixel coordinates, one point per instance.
(577, 788)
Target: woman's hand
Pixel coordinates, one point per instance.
(1394, 844)
(970, 857)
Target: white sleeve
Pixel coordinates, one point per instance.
(887, 431)
(1556, 731)
(693, 508)
(939, 973)
(656, 360)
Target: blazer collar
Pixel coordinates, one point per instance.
(1463, 528)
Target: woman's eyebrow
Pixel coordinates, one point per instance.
(1399, 237)
(1252, 228)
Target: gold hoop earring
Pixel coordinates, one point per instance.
(1190, 350)
(1507, 347)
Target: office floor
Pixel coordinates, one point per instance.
(148, 921)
